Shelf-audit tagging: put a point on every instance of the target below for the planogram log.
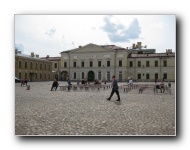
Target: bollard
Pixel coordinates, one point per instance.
(28, 87)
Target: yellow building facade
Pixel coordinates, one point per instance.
(32, 68)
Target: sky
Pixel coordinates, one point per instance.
(52, 34)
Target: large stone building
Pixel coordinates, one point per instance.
(32, 68)
(102, 61)
(56, 65)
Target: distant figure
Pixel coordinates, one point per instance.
(131, 82)
(162, 86)
(54, 85)
(169, 84)
(115, 88)
(26, 81)
(69, 84)
(22, 82)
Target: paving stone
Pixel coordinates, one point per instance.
(39, 111)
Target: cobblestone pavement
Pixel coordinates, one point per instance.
(39, 111)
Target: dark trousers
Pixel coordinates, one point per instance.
(53, 87)
(114, 91)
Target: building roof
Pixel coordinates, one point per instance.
(110, 47)
(151, 55)
(30, 57)
(51, 58)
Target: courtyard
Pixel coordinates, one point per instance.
(39, 111)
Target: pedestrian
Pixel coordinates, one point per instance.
(26, 81)
(115, 88)
(22, 82)
(162, 88)
(54, 85)
(69, 84)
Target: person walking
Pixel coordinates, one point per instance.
(55, 84)
(69, 84)
(114, 89)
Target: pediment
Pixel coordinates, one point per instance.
(90, 48)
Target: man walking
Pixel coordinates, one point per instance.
(114, 89)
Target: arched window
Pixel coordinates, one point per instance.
(31, 65)
(25, 64)
(40, 66)
(20, 63)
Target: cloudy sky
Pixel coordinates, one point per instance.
(51, 34)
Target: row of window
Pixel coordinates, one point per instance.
(148, 63)
(148, 76)
(31, 65)
(120, 64)
(120, 75)
(91, 64)
(36, 76)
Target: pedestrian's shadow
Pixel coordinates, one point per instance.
(117, 103)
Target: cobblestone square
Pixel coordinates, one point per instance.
(39, 111)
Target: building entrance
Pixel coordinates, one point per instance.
(91, 76)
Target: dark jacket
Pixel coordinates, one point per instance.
(115, 85)
(55, 83)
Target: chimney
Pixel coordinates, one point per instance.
(32, 54)
(139, 45)
(19, 52)
(133, 46)
(37, 56)
(127, 47)
(80, 46)
(47, 56)
(16, 50)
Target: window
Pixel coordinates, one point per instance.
(147, 63)
(108, 76)
(31, 65)
(55, 65)
(20, 63)
(25, 75)
(99, 63)
(139, 63)
(156, 63)
(156, 75)
(75, 75)
(36, 76)
(40, 75)
(40, 66)
(49, 76)
(26, 64)
(165, 63)
(74, 64)
(120, 75)
(108, 63)
(36, 65)
(45, 66)
(120, 63)
(82, 75)
(44, 76)
(65, 64)
(99, 75)
(20, 75)
(165, 76)
(91, 64)
(131, 64)
(139, 76)
(147, 76)
(82, 64)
